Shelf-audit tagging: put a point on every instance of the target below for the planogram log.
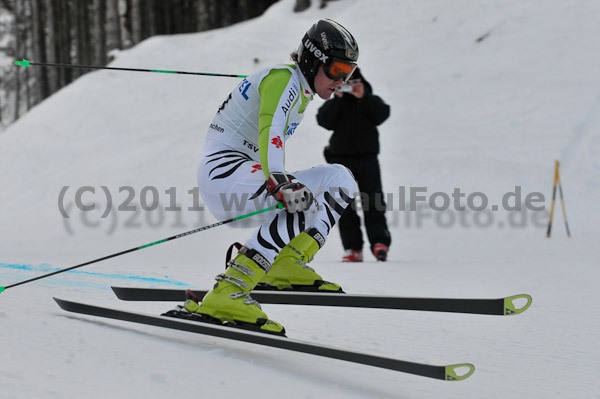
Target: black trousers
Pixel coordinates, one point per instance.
(367, 173)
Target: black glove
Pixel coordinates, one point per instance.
(294, 195)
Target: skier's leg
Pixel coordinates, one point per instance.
(230, 185)
(292, 240)
(230, 300)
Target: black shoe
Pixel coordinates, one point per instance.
(380, 251)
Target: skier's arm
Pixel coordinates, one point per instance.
(272, 120)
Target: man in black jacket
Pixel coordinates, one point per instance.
(353, 114)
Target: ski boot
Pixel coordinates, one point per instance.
(290, 272)
(230, 303)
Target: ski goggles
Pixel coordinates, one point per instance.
(339, 69)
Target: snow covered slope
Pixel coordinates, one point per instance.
(484, 96)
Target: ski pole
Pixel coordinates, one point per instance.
(26, 63)
(187, 233)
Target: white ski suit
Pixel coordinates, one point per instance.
(245, 142)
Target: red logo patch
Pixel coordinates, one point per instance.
(277, 142)
(256, 167)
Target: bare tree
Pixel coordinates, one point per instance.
(100, 57)
(86, 31)
(82, 35)
(136, 21)
(41, 87)
(17, 21)
(125, 27)
(113, 25)
(148, 21)
(24, 30)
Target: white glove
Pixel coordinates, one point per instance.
(295, 196)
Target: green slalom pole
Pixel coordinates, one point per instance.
(26, 63)
(187, 233)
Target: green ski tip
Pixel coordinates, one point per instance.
(24, 64)
(510, 308)
(458, 372)
(2, 290)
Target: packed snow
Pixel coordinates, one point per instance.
(485, 96)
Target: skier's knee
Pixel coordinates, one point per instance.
(345, 180)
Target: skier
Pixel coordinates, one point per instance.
(243, 164)
(354, 115)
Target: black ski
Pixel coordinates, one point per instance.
(500, 306)
(451, 372)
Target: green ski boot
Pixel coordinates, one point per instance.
(230, 302)
(290, 272)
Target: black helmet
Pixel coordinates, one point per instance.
(330, 44)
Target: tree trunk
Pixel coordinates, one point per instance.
(203, 21)
(113, 25)
(39, 50)
(65, 41)
(51, 48)
(217, 16)
(149, 19)
(100, 57)
(246, 9)
(136, 21)
(125, 29)
(228, 12)
(26, 47)
(17, 21)
(82, 36)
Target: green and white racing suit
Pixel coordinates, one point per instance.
(245, 142)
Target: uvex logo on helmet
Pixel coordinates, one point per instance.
(325, 41)
(316, 51)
